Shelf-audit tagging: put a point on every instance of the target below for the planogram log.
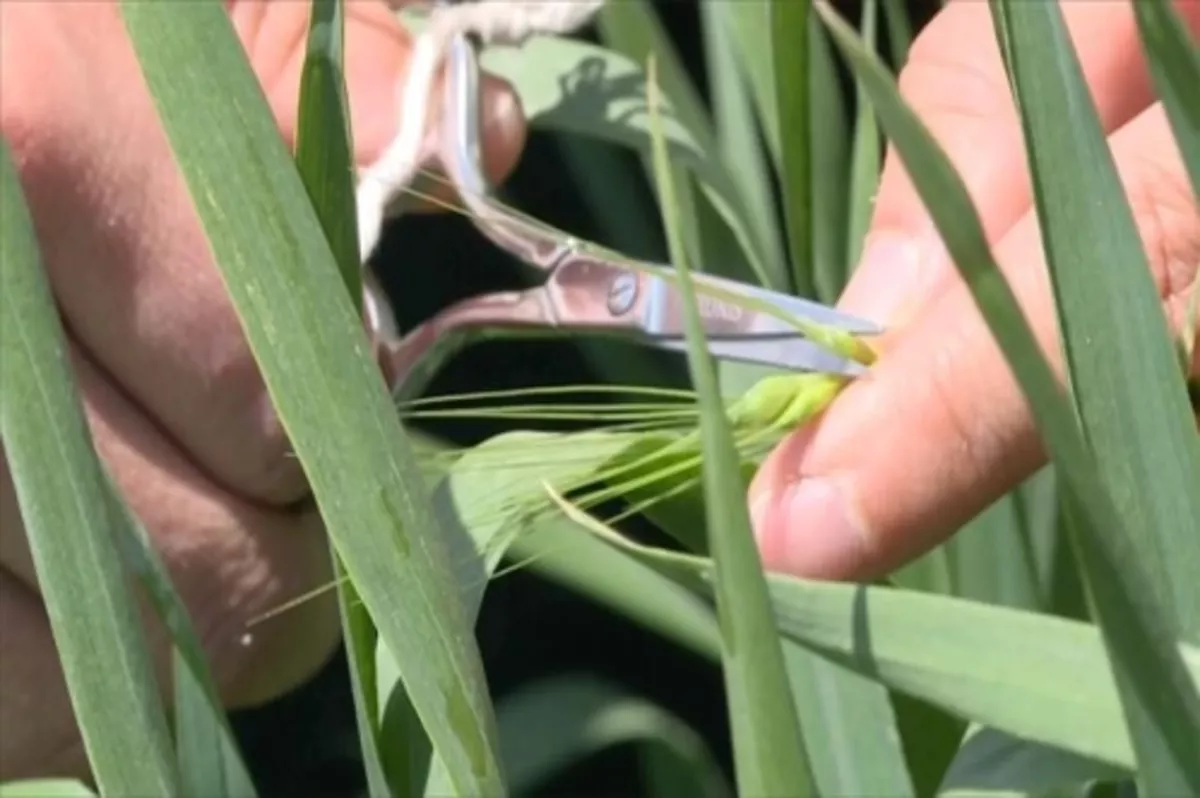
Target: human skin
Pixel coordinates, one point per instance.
(939, 429)
(174, 400)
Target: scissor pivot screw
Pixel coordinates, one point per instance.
(622, 294)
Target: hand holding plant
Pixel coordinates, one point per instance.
(175, 402)
(940, 429)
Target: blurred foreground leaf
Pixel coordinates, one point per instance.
(325, 160)
(64, 498)
(769, 752)
(283, 278)
(1174, 61)
(1127, 390)
(1125, 378)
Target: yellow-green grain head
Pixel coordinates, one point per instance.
(781, 402)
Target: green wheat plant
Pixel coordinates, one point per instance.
(1051, 648)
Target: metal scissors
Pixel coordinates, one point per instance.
(581, 290)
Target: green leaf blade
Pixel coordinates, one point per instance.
(1125, 377)
(832, 156)
(789, 48)
(737, 129)
(64, 498)
(326, 164)
(281, 276)
(858, 749)
(1174, 61)
(769, 750)
(324, 148)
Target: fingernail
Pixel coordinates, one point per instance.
(890, 276)
(808, 529)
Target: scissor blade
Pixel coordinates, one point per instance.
(804, 309)
(787, 354)
(663, 312)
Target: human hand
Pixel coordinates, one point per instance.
(940, 428)
(175, 402)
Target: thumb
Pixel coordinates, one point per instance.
(956, 83)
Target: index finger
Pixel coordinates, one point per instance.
(956, 82)
(940, 428)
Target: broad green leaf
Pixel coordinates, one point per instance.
(899, 28)
(209, 763)
(325, 159)
(1006, 555)
(992, 665)
(65, 503)
(1007, 666)
(1125, 378)
(992, 560)
(737, 130)
(769, 753)
(932, 572)
(789, 49)
(831, 139)
(751, 28)
(991, 763)
(1126, 384)
(853, 740)
(324, 150)
(576, 716)
(1140, 642)
(309, 344)
(202, 753)
(1174, 61)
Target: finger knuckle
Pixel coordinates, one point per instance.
(230, 575)
(272, 35)
(946, 76)
(960, 426)
(1168, 223)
